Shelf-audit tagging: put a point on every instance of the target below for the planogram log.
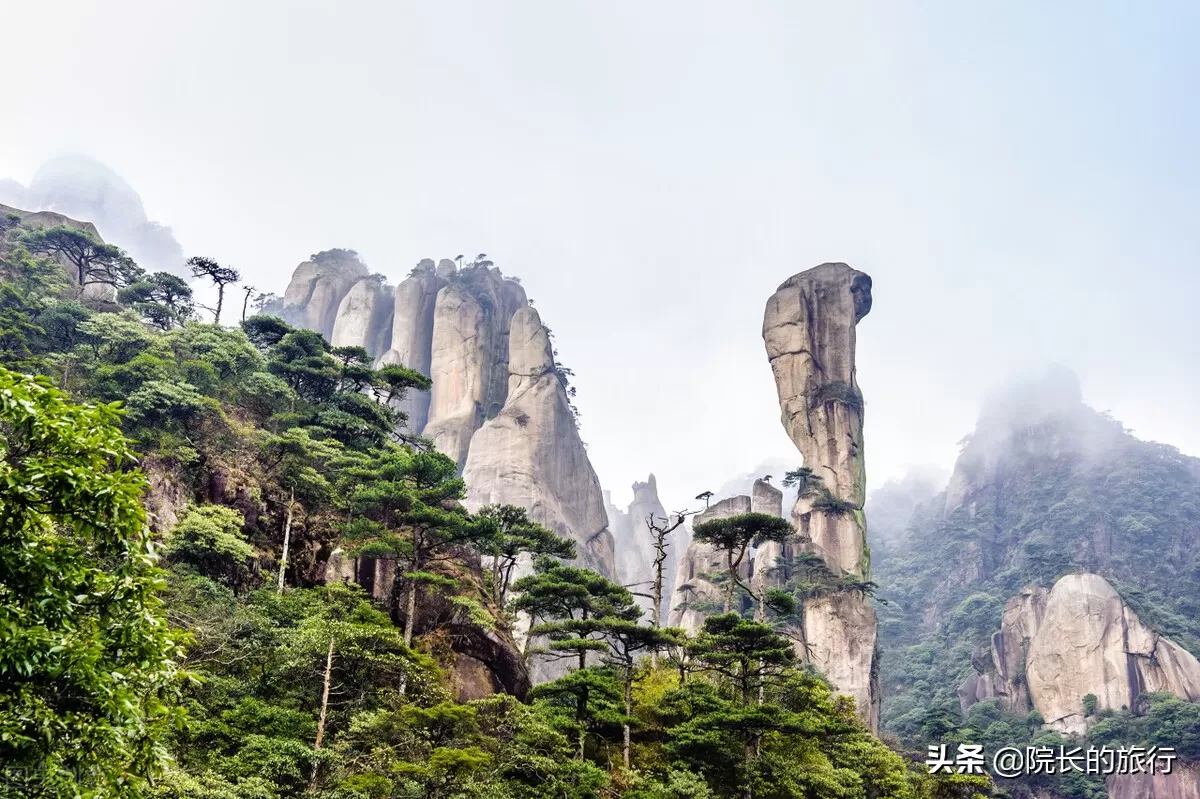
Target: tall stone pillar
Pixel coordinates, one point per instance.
(809, 332)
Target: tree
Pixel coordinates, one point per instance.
(659, 530)
(221, 276)
(626, 641)
(406, 505)
(805, 479)
(249, 290)
(93, 261)
(511, 536)
(163, 299)
(575, 606)
(209, 539)
(733, 535)
(88, 674)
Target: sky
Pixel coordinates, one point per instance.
(1020, 179)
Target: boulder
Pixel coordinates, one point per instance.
(1090, 642)
(1056, 647)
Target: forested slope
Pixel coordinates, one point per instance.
(237, 673)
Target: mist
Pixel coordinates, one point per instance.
(653, 173)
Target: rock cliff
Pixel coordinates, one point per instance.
(34, 220)
(696, 594)
(1056, 647)
(484, 659)
(412, 334)
(317, 289)
(634, 543)
(809, 333)
(497, 407)
(530, 454)
(1182, 783)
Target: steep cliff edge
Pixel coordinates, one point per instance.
(1078, 639)
(530, 454)
(809, 333)
(498, 406)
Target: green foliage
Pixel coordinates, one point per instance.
(88, 674)
(734, 535)
(91, 261)
(209, 539)
(839, 392)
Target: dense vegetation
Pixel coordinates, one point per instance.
(205, 657)
(1046, 494)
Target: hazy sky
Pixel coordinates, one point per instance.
(1020, 179)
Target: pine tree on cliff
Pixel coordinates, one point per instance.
(733, 535)
(93, 261)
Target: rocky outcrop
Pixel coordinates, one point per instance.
(411, 342)
(809, 333)
(317, 288)
(1182, 783)
(34, 220)
(696, 593)
(1056, 647)
(633, 542)
(484, 659)
(1000, 664)
(530, 454)
(364, 317)
(769, 569)
(469, 357)
(497, 407)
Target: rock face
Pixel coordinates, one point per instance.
(770, 556)
(696, 595)
(469, 358)
(1077, 639)
(634, 544)
(530, 453)
(485, 661)
(317, 289)
(1182, 783)
(809, 332)
(83, 188)
(497, 407)
(100, 292)
(412, 334)
(364, 316)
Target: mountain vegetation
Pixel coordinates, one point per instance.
(1045, 487)
(175, 494)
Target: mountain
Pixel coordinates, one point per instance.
(500, 405)
(83, 188)
(1055, 581)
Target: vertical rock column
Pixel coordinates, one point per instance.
(412, 335)
(809, 332)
